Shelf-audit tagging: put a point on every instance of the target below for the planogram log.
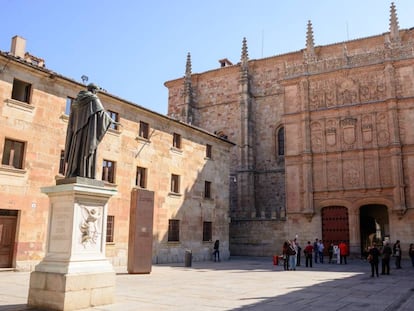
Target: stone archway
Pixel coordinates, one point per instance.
(374, 225)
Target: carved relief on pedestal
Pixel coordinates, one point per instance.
(383, 135)
(349, 132)
(91, 222)
(316, 137)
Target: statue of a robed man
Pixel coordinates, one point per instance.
(88, 123)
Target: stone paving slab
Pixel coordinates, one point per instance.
(243, 283)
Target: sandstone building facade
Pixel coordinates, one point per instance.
(186, 168)
(325, 144)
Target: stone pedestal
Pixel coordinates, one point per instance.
(74, 274)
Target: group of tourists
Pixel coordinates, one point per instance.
(291, 253)
(385, 253)
(314, 253)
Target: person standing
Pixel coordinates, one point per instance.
(285, 255)
(321, 249)
(316, 249)
(411, 253)
(343, 252)
(298, 252)
(216, 252)
(308, 254)
(374, 254)
(292, 255)
(397, 253)
(330, 252)
(386, 257)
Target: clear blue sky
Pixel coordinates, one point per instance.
(130, 48)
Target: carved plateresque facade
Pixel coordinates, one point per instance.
(33, 122)
(324, 140)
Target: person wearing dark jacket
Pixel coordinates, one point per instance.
(374, 254)
(216, 252)
(386, 256)
(397, 253)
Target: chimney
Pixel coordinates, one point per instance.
(18, 46)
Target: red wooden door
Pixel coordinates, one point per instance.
(335, 225)
(7, 233)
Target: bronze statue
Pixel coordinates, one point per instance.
(88, 123)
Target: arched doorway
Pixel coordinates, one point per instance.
(335, 225)
(374, 225)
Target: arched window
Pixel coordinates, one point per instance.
(281, 142)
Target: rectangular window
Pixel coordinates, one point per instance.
(177, 141)
(208, 151)
(21, 91)
(207, 231)
(143, 130)
(175, 183)
(207, 190)
(141, 177)
(62, 163)
(110, 226)
(13, 153)
(69, 101)
(173, 230)
(114, 116)
(108, 171)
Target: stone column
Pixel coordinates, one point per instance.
(74, 274)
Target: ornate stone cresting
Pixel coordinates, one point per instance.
(393, 48)
(309, 54)
(246, 180)
(244, 60)
(394, 28)
(188, 93)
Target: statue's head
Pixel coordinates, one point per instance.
(92, 87)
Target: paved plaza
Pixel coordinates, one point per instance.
(244, 283)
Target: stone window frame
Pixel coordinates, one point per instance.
(280, 144)
(207, 231)
(108, 171)
(22, 91)
(9, 157)
(173, 230)
(141, 177)
(110, 229)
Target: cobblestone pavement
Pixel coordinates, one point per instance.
(243, 283)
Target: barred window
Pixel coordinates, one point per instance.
(110, 226)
